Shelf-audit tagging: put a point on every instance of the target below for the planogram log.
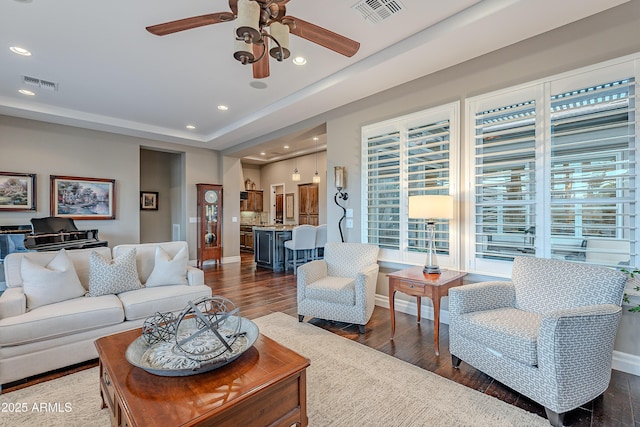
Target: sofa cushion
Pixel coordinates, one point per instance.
(507, 331)
(112, 276)
(168, 270)
(61, 319)
(339, 290)
(146, 302)
(145, 254)
(47, 284)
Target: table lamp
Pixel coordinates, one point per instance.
(431, 207)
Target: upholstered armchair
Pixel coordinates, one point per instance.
(547, 334)
(340, 287)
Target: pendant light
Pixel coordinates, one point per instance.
(296, 175)
(316, 177)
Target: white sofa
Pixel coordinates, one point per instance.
(59, 334)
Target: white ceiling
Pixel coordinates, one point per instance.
(115, 76)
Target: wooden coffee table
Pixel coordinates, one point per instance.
(412, 281)
(266, 385)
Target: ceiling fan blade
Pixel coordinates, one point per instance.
(323, 37)
(233, 5)
(261, 67)
(189, 23)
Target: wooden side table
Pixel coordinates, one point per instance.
(412, 281)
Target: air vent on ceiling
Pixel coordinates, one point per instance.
(44, 84)
(375, 11)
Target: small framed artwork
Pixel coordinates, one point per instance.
(83, 198)
(17, 191)
(149, 200)
(288, 206)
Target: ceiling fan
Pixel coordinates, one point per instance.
(254, 17)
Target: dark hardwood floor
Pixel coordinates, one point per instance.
(259, 292)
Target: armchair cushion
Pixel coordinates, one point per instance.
(340, 290)
(505, 331)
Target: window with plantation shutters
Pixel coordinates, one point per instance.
(592, 172)
(407, 156)
(553, 171)
(505, 184)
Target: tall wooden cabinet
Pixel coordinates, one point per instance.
(209, 222)
(308, 211)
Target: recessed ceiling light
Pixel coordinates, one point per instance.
(315, 138)
(299, 60)
(190, 127)
(20, 50)
(26, 92)
(263, 154)
(223, 107)
(286, 147)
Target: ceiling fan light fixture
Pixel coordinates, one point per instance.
(280, 35)
(243, 52)
(248, 28)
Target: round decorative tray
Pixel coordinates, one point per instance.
(167, 358)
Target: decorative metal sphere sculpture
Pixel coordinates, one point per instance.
(160, 327)
(215, 331)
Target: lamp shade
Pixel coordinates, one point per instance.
(280, 32)
(339, 177)
(431, 207)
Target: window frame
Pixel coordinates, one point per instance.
(402, 124)
(541, 90)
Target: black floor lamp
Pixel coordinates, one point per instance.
(340, 177)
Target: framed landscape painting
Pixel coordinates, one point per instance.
(149, 200)
(83, 198)
(17, 191)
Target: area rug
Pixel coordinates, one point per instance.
(348, 384)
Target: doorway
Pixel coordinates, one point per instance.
(162, 173)
(276, 204)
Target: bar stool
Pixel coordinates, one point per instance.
(303, 238)
(321, 240)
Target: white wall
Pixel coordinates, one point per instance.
(28, 146)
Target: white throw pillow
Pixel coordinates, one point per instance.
(55, 282)
(114, 276)
(167, 271)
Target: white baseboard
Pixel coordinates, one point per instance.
(624, 362)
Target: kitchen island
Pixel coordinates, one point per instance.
(268, 245)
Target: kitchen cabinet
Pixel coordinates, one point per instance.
(254, 201)
(308, 211)
(246, 237)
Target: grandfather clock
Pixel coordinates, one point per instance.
(209, 222)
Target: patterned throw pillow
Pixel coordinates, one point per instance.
(55, 282)
(167, 271)
(113, 276)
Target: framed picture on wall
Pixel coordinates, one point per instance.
(149, 200)
(17, 191)
(288, 206)
(83, 198)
